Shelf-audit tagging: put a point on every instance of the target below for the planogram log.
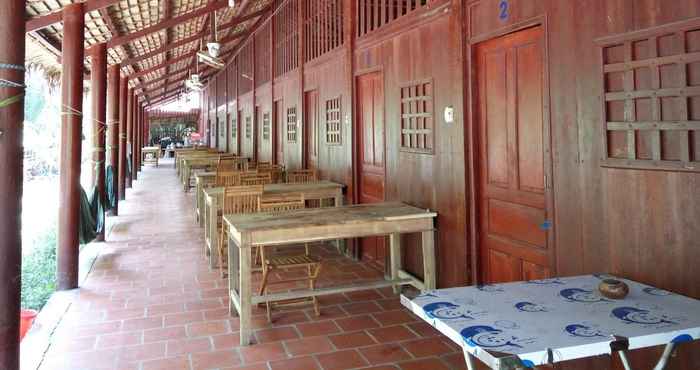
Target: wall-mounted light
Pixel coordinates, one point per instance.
(449, 114)
(231, 3)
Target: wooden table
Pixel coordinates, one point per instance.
(320, 190)
(202, 181)
(154, 151)
(180, 156)
(318, 224)
(196, 163)
(206, 163)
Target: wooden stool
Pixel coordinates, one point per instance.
(270, 263)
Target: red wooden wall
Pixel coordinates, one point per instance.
(634, 222)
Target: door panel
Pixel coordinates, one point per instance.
(512, 210)
(370, 97)
(311, 129)
(257, 121)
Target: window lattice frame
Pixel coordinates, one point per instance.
(334, 121)
(266, 127)
(417, 117)
(291, 124)
(651, 98)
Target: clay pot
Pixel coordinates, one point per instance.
(26, 320)
(613, 289)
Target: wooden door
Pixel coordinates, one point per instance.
(239, 134)
(278, 132)
(257, 120)
(512, 164)
(222, 134)
(370, 153)
(229, 141)
(311, 129)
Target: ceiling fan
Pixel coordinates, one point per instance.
(193, 82)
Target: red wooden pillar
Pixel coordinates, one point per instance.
(12, 18)
(139, 138)
(70, 146)
(123, 102)
(113, 130)
(129, 131)
(99, 117)
(134, 142)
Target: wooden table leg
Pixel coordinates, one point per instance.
(188, 173)
(339, 243)
(395, 258)
(197, 189)
(232, 282)
(213, 233)
(246, 291)
(205, 215)
(428, 259)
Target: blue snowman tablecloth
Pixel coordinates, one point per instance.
(553, 320)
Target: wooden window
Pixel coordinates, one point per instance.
(266, 126)
(286, 38)
(417, 121)
(248, 127)
(323, 27)
(651, 107)
(333, 122)
(292, 125)
(374, 14)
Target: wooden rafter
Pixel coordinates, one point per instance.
(202, 33)
(115, 32)
(37, 23)
(167, 23)
(175, 81)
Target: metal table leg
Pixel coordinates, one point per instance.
(661, 365)
(470, 360)
(663, 361)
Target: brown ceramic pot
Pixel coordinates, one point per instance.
(613, 289)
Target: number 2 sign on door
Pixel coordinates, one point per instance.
(503, 13)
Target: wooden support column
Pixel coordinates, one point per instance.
(98, 81)
(11, 123)
(301, 106)
(349, 31)
(140, 138)
(134, 142)
(129, 131)
(70, 146)
(113, 130)
(123, 103)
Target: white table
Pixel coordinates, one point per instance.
(526, 324)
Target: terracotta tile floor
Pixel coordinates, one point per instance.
(151, 302)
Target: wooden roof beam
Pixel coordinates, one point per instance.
(168, 23)
(175, 81)
(170, 62)
(197, 37)
(37, 23)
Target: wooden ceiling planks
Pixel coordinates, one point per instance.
(40, 22)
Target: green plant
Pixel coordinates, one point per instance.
(39, 271)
